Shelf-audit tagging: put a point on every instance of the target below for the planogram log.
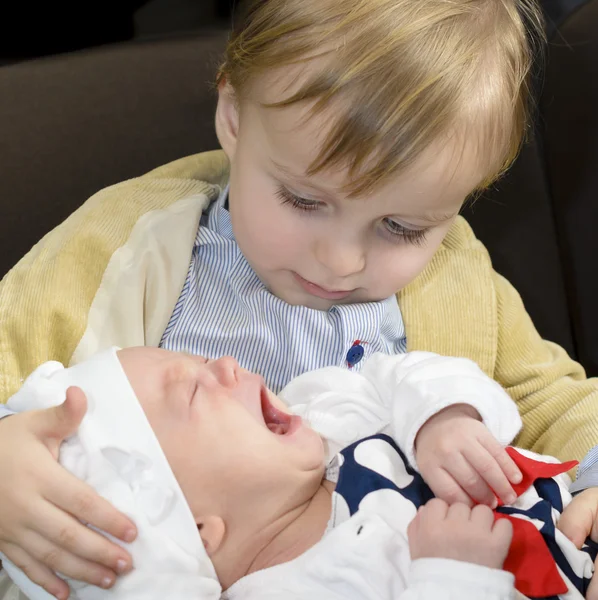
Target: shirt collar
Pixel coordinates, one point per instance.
(218, 218)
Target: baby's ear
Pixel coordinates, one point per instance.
(212, 530)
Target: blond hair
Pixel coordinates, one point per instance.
(401, 73)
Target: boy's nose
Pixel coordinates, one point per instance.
(341, 259)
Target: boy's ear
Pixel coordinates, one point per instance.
(227, 119)
(212, 530)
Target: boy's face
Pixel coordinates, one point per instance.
(223, 433)
(309, 243)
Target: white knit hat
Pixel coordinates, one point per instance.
(116, 452)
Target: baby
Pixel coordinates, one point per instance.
(232, 492)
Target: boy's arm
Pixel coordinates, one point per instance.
(45, 299)
(558, 405)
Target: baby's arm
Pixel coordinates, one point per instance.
(397, 395)
(451, 553)
(458, 552)
(452, 421)
(441, 579)
(418, 385)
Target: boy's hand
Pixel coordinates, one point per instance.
(461, 460)
(43, 504)
(580, 520)
(460, 533)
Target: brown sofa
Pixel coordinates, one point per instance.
(73, 124)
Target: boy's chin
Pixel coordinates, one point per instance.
(301, 298)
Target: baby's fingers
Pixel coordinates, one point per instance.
(489, 468)
(501, 456)
(445, 487)
(37, 572)
(470, 480)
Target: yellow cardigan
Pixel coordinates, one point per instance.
(112, 272)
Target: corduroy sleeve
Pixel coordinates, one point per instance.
(558, 404)
(45, 299)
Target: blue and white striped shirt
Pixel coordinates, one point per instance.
(225, 310)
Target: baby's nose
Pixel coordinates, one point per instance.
(226, 371)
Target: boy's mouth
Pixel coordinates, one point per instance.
(316, 290)
(277, 421)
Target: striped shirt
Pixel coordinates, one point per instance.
(225, 310)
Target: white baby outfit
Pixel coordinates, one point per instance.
(364, 555)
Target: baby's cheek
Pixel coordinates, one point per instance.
(186, 475)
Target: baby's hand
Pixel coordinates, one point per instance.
(42, 504)
(460, 533)
(461, 461)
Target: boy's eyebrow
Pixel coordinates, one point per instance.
(303, 177)
(437, 217)
(284, 169)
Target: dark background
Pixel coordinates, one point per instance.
(30, 29)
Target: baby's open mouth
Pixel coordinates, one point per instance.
(276, 421)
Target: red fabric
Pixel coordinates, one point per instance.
(529, 559)
(532, 469)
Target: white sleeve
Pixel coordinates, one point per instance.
(444, 579)
(397, 394)
(417, 385)
(427, 579)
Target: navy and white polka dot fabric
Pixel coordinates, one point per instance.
(374, 475)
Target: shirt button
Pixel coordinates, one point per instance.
(355, 354)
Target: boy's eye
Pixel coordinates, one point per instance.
(287, 197)
(399, 232)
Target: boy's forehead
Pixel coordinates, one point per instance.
(291, 137)
(295, 134)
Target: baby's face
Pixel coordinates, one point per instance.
(218, 425)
